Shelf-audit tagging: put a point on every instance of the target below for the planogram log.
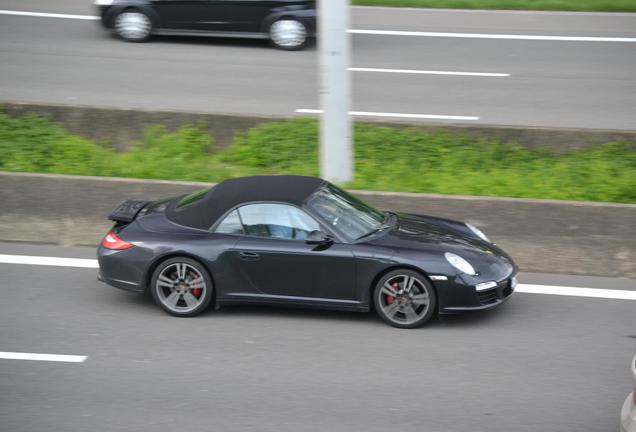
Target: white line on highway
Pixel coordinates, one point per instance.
(576, 292)
(429, 72)
(493, 36)
(48, 15)
(394, 115)
(385, 32)
(42, 357)
(48, 261)
(521, 288)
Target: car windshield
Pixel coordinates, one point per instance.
(344, 213)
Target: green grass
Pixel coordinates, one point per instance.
(386, 159)
(556, 5)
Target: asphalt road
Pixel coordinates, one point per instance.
(552, 83)
(539, 363)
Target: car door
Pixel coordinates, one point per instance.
(274, 258)
(248, 15)
(193, 15)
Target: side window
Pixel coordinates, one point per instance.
(231, 224)
(277, 221)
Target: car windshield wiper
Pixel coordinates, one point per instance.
(385, 224)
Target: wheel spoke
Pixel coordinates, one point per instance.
(190, 300)
(173, 298)
(388, 290)
(420, 299)
(408, 283)
(410, 313)
(166, 282)
(181, 271)
(196, 283)
(392, 309)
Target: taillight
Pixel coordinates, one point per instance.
(634, 396)
(111, 241)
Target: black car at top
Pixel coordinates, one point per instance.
(288, 24)
(301, 241)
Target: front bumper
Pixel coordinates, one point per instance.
(458, 297)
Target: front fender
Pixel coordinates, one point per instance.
(118, 7)
(306, 16)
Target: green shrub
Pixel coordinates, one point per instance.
(385, 159)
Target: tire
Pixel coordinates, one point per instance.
(182, 287)
(288, 34)
(133, 25)
(404, 299)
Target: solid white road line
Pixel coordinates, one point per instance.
(48, 261)
(394, 115)
(429, 72)
(48, 15)
(576, 292)
(521, 288)
(493, 36)
(386, 32)
(43, 357)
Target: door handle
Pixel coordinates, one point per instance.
(250, 256)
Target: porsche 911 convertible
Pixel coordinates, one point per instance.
(301, 241)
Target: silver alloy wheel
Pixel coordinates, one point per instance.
(404, 299)
(288, 33)
(181, 288)
(133, 25)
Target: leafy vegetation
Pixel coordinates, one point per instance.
(556, 5)
(386, 159)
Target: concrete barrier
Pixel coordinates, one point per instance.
(542, 235)
(121, 127)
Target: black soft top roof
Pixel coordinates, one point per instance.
(233, 192)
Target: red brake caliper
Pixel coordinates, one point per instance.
(196, 291)
(391, 299)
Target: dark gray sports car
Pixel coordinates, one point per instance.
(301, 241)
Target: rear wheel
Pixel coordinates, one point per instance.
(288, 34)
(404, 299)
(133, 25)
(181, 287)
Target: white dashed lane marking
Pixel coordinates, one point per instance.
(5, 355)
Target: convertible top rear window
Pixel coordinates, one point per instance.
(193, 198)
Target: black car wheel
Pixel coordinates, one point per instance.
(133, 25)
(181, 287)
(288, 34)
(404, 299)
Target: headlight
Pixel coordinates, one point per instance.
(103, 2)
(460, 263)
(477, 232)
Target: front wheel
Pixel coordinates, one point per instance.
(404, 299)
(133, 25)
(182, 287)
(288, 34)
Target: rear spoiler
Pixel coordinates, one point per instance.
(127, 211)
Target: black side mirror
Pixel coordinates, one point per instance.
(318, 238)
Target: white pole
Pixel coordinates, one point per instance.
(336, 149)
